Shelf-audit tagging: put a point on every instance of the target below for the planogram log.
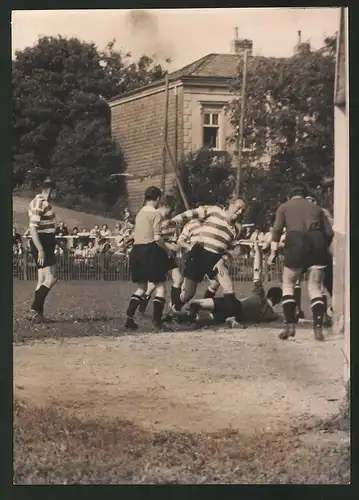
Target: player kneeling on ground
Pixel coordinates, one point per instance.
(257, 308)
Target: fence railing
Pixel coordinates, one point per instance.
(114, 267)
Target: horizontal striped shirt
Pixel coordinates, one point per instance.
(41, 215)
(147, 226)
(191, 233)
(217, 235)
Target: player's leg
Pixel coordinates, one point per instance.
(315, 287)
(133, 305)
(212, 289)
(35, 308)
(177, 281)
(146, 297)
(228, 300)
(290, 278)
(193, 274)
(158, 304)
(298, 298)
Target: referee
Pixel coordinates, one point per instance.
(42, 245)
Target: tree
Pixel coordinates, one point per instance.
(288, 122)
(206, 179)
(60, 87)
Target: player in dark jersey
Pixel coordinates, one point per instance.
(256, 308)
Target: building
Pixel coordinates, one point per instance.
(197, 98)
(341, 291)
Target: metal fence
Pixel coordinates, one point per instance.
(116, 268)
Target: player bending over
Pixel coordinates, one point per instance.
(42, 245)
(148, 258)
(189, 237)
(257, 307)
(218, 236)
(169, 237)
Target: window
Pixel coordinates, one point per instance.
(210, 130)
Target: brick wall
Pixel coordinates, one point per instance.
(137, 127)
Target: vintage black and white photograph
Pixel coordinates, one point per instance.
(181, 246)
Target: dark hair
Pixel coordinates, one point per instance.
(169, 201)
(275, 294)
(152, 193)
(48, 184)
(299, 190)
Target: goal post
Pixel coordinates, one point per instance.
(341, 284)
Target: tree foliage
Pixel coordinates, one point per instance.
(61, 120)
(206, 179)
(288, 124)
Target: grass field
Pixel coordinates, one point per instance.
(96, 405)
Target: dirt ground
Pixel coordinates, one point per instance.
(244, 382)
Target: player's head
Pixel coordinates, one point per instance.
(153, 196)
(235, 209)
(274, 294)
(168, 205)
(298, 189)
(49, 188)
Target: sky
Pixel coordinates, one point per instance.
(183, 35)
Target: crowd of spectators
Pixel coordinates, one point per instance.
(85, 243)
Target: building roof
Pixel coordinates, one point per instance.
(222, 66)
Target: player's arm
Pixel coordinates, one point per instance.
(36, 211)
(197, 213)
(184, 239)
(278, 227)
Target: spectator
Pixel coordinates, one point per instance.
(127, 214)
(105, 232)
(15, 236)
(95, 231)
(62, 230)
(118, 229)
(91, 250)
(75, 231)
(59, 250)
(83, 231)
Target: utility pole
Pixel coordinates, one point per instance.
(165, 129)
(239, 137)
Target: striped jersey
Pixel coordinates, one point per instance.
(169, 233)
(191, 233)
(217, 234)
(147, 226)
(41, 215)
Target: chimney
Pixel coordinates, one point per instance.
(299, 37)
(301, 47)
(240, 44)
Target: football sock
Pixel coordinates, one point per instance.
(158, 306)
(39, 301)
(133, 305)
(175, 294)
(318, 310)
(289, 306)
(298, 297)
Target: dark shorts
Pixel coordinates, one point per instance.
(171, 263)
(148, 262)
(223, 310)
(303, 250)
(48, 242)
(199, 262)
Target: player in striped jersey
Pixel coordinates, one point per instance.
(217, 239)
(169, 235)
(191, 235)
(42, 245)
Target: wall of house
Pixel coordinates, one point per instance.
(193, 99)
(137, 126)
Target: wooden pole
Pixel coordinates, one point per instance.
(239, 137)
(178, 180)
(165, 127)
